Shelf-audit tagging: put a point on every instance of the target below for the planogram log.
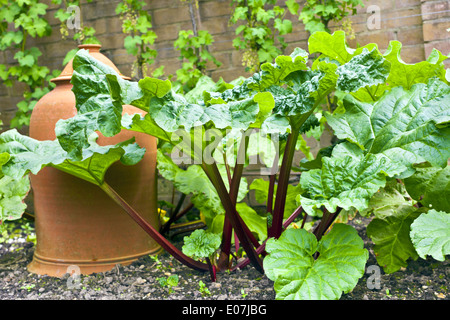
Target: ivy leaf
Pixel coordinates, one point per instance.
(430, 234)
(201, 244)
(393, 246)
(298, 276)
(30, 156)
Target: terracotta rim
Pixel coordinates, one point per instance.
(66, 74)
(54, 267)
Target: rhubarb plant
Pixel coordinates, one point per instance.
(392, 122)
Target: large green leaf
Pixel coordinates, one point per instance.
(299, 276)
(392, 200)
(364, 70)
(172, 112)
(273, 74)
(12, 195)
(431, 186)
(408, 126)
(430, 234)
(344, 182)
(334, 47)
(406, 75)
(201, 244)
(393, 246)
(30, 156)
(100, 93)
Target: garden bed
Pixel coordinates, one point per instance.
(145, 279)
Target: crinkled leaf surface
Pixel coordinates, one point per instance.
(344, 182)
(393, 246)
(430, 234)
(100, 93)
(298, 276)
(431, 187)
(366, 69)
(334, 47)
(408, 126)
(272, 74)
(201, 244)
(12, 195)
(30, 155)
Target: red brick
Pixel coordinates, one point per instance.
(413, 54)
(170, 15)
(442, 46)
(410, 36)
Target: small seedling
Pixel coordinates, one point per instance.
(170, 282)
(203, 289)
(203, 245)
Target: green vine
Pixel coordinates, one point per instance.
(20, 20)
(137, 24)
(81, 34)
(193, 47)
(261, 30)
(317, 14)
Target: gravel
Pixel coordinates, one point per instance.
(147, 278)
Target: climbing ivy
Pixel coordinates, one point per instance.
(193, 47)
(260, 31)
(81, 33)
(20, 20)
(317, 14)
(137, 24)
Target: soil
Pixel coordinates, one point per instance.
(144, 279)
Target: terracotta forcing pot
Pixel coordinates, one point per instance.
(77, 224)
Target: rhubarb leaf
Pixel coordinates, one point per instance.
(274, 73)
(406, 75)
(430, 234)
(406, 126)
(344, 182)
(30, 156)
(100, 93)
(393, 246)
(299, 276)
(12, 195)
(201, 244)
(431, 187)
(366, 69)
